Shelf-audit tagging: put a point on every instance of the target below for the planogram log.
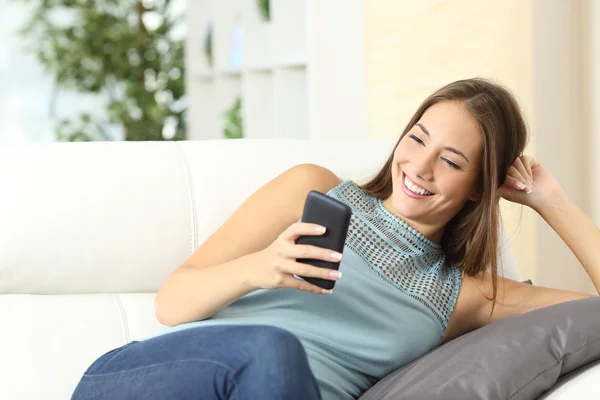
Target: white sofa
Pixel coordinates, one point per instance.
(89, 231)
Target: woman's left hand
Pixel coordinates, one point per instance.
(530, 184)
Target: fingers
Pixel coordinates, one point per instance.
(312, 252)
(517, 184)
(520, 167)
(300, 284)
(293, 267)
(286, 252)
(307, 270)
(302, 229)
(518, 176)
(527, 161)
(523, 165)
(284, 276)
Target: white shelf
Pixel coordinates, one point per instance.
(204, 117)
(289, 29)
(227, 89)
(257, 35)
(277, 71)
(228, 18)
(258, 107)
(291, 103)
(209, 74)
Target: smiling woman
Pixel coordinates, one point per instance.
(422, 237)
(459, 146)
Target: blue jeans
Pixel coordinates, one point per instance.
(237, 362)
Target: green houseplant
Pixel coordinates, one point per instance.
(233, 128)
(264, 9)
(109, 47)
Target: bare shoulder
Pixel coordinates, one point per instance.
(312, 176)
(300, 179)
(264, 215)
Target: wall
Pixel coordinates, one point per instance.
(592, 72)
(562, 110)
(413, 48)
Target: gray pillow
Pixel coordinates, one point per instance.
(515, 358)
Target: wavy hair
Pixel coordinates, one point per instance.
(471, 236)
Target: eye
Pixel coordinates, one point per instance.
(416, 139)
(450, 163)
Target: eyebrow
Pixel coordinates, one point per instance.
(451, 149)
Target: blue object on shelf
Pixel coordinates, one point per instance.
(236, 51)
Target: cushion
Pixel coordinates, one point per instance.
(515, 358)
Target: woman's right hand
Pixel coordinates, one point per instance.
(277, 263)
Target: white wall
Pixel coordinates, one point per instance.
(336, 47)
(593, 74)
(546, 51)
(562, 122)
(413, 48)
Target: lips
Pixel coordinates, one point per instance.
(409, 192)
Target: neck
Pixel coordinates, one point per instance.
(430, 231)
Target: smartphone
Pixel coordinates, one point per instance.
(335, 217)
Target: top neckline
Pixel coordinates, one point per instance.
(405, 225)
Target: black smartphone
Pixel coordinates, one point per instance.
(335, 217)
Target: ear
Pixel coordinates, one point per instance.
(475, 197)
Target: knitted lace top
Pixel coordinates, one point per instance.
(391, 306)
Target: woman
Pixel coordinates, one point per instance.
(419, 265)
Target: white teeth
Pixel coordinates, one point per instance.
(414, 188)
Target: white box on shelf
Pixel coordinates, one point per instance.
(228, 15)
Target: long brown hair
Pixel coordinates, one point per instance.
(470, 237)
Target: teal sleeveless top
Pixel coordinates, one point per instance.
(391, 306)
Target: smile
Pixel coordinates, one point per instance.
(412, 189)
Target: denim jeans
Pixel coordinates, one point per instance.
(237, 362)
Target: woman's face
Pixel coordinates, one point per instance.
(441, 154)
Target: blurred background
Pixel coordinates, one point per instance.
(75, 70)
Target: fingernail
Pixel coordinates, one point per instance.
(336, 256)
(335, 274)
(529, 190)
(320, 229)
(520, 185)
(325, 291)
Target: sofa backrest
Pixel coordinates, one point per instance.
(120, 216)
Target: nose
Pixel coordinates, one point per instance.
(423, 165)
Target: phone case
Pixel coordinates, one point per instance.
(333, 215)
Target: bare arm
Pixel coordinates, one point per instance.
(220, 270)
(532, 185)
(582, 237)
(578, 232)
(196, 293)
(548, 199)
(513, 297)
